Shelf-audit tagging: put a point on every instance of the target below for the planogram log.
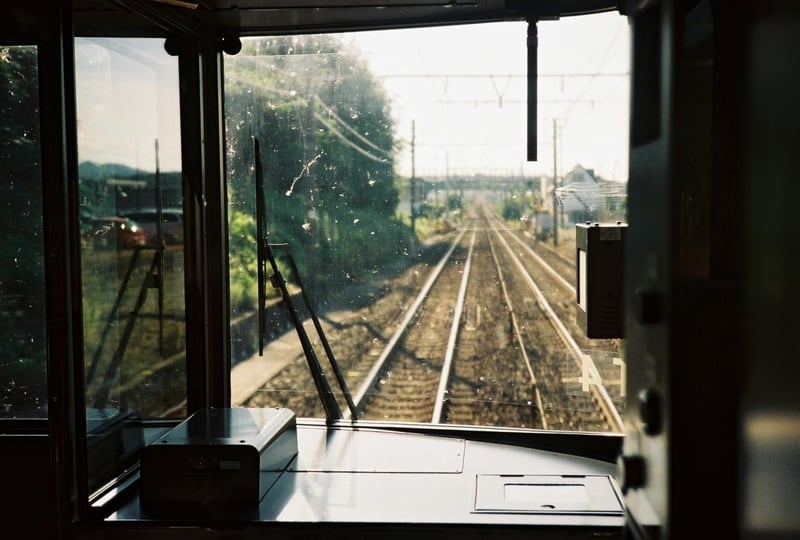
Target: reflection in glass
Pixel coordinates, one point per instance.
(131, 244)
(23, 370)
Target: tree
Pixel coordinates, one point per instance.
(326, 136)
(22, 313)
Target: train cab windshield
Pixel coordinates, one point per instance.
(391, 254)
(400, 208)
(431, 268)
(401, 213)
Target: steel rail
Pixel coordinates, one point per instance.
(518, 334)
(584, 362)
(605, 403)
(369, 380)
(549, 269)
(444, 379)
(554, 253)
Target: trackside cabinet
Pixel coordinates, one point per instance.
(600, 250)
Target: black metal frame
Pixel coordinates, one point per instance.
(205, 214)
(47, 25)
(205, 233)
(51, 29)
(199, 50)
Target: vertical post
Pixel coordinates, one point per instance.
(543, 186)
(533, 68)
(555, 183)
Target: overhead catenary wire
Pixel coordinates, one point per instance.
(596, 73)
(261, 84)
(347, 141)
(349, 128)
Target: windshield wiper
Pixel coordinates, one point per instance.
(265, 255)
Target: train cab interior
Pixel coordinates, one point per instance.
(220, 218)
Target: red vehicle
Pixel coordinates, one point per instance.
(111, 231)
(171, 223)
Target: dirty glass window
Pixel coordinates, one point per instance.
(132, 266)
(23, 371)
(399, 211)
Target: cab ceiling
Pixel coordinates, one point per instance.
(258, 17)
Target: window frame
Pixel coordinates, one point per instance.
(34, 425)
(205, 241)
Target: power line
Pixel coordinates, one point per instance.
(347, 141)
(349, 128)
(602, 64)
(258, 83)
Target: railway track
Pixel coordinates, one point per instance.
(471, 348)
(603, 356)
(482, 374)
(405, 380)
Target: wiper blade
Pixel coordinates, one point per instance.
(265, 255)
(321, 333)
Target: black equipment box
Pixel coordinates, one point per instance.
(219, 456)
(600, 258)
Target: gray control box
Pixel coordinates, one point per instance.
(219, 456)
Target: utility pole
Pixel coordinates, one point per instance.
(543, 186)
(555, 183)
(446, 182)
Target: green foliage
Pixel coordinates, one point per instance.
(454, 202)
(324, 127)
(371, 240)
(243, 261)
(22, 294)
(20, 170)
(513, 208)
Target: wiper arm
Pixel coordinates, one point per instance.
(329, 403)
(320, 332)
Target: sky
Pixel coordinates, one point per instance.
(464, 89)
(127, 99)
